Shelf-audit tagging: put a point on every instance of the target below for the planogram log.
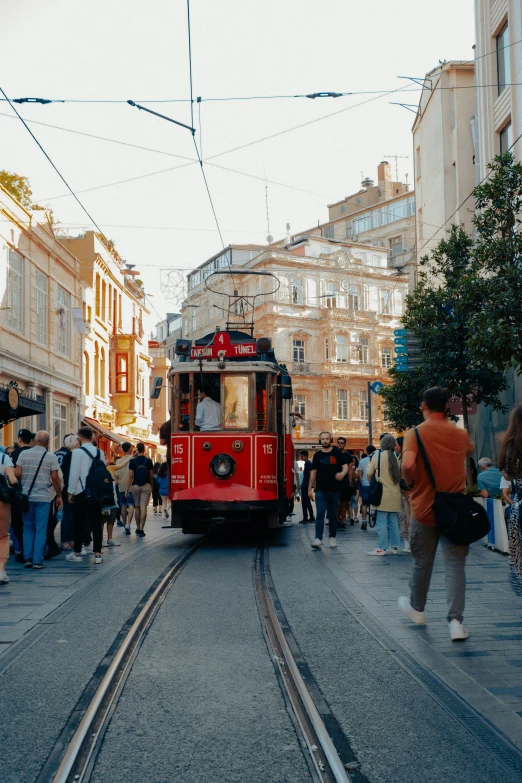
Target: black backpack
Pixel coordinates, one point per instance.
(99, 482)
(141, 474)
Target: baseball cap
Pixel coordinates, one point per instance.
(26, 435)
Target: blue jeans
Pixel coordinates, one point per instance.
(388, 529)
(35, 530)
(323, 501)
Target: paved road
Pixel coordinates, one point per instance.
(202, 703)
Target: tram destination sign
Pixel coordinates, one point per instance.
(222, 344)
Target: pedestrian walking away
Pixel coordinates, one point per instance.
(121, 478)
(25, 438)
(405, 513)
(347, 488)
(163, 487)
(328, 470)
(446, 447)
(362, 473)
(90, 489)
(308, 510)
(385, 465)
(65, 515)
(141, 477)
(8, 477)
(156, 496)
(510, 462)
(38, 470)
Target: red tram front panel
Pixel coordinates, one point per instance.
(265, 463)
(180, 461)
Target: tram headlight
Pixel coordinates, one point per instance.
(222, 466)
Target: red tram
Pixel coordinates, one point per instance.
(241, 472)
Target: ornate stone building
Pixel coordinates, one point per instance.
(331, 321)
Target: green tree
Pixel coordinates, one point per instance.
(402, 399)
(498, 260)
(18, 187)
(441, 312)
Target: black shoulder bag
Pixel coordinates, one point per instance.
(5, 487)
(457, 515)
(376, 486)
(22, 501)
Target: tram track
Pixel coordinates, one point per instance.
(84, 745)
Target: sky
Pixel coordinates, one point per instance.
(153, 203)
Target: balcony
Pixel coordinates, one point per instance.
(357, 316)
(301, 368)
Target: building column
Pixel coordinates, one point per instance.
(49, 417)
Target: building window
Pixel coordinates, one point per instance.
(357, 202)
(362, 223)
(326, 350)
(103, 314)
(385, 301)
(506, 138)
(15, 291)
(299, 351)
(195, 318)
(503, 69)
(98, 296)
(342, 404)
(42, 286)
(300, 404)
(418, 162)
(341, 348)
(411, 205)
(360, 351)
(109, 303)
(102, 373)
(60, 419)
(326, 400)
(296, 292)
(377, 260)
(399, 302)
(384, 215)
(329, 232)
(64, 322)
(96, 370)
(86, 374)
(364, 405)
(386, 358)
(396, 246)
(375, 218)
(326, 250)
(348, 229)
(342, 209)
(331, 295)
(352, 298)
(122, 372)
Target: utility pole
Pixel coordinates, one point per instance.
(370, 428)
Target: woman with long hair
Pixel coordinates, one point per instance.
(510, 463)
(156, 496)
(388, 473)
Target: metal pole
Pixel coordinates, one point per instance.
(370, 430)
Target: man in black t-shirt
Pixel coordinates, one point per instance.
(141, 476)
(24, 442)
(347, 486)
(328, 470)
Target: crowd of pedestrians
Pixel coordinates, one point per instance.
(411, 470)
(76, 489)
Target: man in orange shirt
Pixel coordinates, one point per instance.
(447, 447)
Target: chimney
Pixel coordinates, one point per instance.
(383, 173)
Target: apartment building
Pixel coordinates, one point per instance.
(40, 322)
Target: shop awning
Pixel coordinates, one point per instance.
(15, 405)
(105, 433)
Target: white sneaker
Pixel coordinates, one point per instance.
(377, 553)
(317, 543)
(333, 543)
(393, 550)
(98, 559)
(406, 546)
(419, 618)
(104, 543)
(4, 579)
(84, 551)
(72, 557)
(112, 542)
(457, 631)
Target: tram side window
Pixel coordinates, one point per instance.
(184, 406)
(210, 417)
(261, 403)
(236, 402)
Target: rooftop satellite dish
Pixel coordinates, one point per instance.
(270, 239)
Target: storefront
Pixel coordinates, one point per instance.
(16, 404)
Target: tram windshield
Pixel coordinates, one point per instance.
(245, 401)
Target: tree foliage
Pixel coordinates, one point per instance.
(18, 187)
(402, 399)
(498, 261)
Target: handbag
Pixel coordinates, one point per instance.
(5, 486)
(375, 495)
(23, 498)
(457, 515)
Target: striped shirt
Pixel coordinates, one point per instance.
(43, 490)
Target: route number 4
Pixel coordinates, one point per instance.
(178, 448)
(267, 448)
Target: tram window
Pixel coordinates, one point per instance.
(236, 402)
(184, 402)
(261, 403)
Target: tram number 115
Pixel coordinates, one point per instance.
(267, 448)
(177, 448)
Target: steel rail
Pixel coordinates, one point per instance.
(322, 753)
(85, 743)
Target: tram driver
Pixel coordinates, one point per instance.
(208, 412)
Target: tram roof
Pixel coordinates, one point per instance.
(211, 366)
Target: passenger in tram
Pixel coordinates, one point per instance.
(208, 412)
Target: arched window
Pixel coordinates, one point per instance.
(352, 298)
(296, 292)
(96, 369)
(104, 301)
(102, 373)
(86, 374)
(385, 301)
